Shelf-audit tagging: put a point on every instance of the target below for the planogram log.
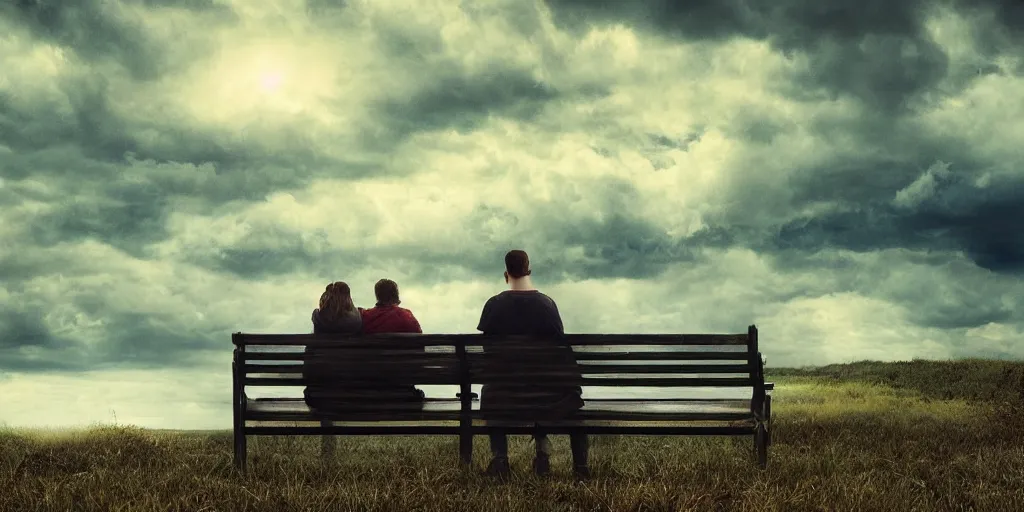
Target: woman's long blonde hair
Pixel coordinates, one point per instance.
(336, 301)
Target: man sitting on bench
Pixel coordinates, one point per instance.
(386, 316)
(523, 310)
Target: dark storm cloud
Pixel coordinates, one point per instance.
(450, 96)
(91, 200)
(129, 217)
(985, 222)
(274, 250)
(92, 125)
(885, 70)
(127, 205)
(971, 307)
(102, 134)
(95, 31)
(89, 155)
(701, 19)
(617, 245)
(461, 102)
(873, 159)
(321, 7)
(146, 340)
(1004, 20)
(26, 329)
(874, 50)
(27, 343)
(936, 288)
(41, 331)
(620, 247)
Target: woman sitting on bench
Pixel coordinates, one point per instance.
(331, 371)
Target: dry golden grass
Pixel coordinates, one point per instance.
(839, 444)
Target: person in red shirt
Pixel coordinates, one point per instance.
(386, 316)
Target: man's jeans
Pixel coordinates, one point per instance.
(578, 442)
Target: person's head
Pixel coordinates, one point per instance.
(517, 264)
(335, 301)
(386, 291)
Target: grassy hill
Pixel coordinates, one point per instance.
(864, 436)
(968, 379)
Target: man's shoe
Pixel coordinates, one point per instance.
(541, 465)
(498, 468)
(581, 473)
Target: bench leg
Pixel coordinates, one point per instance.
(466, 449)
(761, 445)
(238, 401)
(240, 455)
(326, 441)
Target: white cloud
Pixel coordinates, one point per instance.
(846, 327)
(996, 338)
(922, 188)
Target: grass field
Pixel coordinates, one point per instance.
(864, 436)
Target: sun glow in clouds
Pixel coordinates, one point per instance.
(270, 81)
(248, 82)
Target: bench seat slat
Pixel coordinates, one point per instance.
(681, 355)
(607, 339)
(293, 379)
(580, 355)
(250, 357)
(593, 428)
(313, 428)
(656, 339)
(651, 417)
(424, 366)
(273, 356)
(585, 419)
(371, 416)
(288, 379)
(502, 369)
(296, 410)
(396, 340)
(669, 382)
(621, 380)
(624, 381)
(438, 410)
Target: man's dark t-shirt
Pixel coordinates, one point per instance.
(515, 312)
(520, 312)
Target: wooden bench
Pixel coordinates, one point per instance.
(640, 361)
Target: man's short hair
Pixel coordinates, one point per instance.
(517, 263)
(386, 291)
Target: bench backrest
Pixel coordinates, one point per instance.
(633, 360)
(319, 359)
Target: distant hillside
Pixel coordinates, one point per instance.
(970, 379)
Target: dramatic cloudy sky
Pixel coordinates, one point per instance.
(846, 174)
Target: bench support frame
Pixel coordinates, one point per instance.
(238, 402)
(466, 399)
